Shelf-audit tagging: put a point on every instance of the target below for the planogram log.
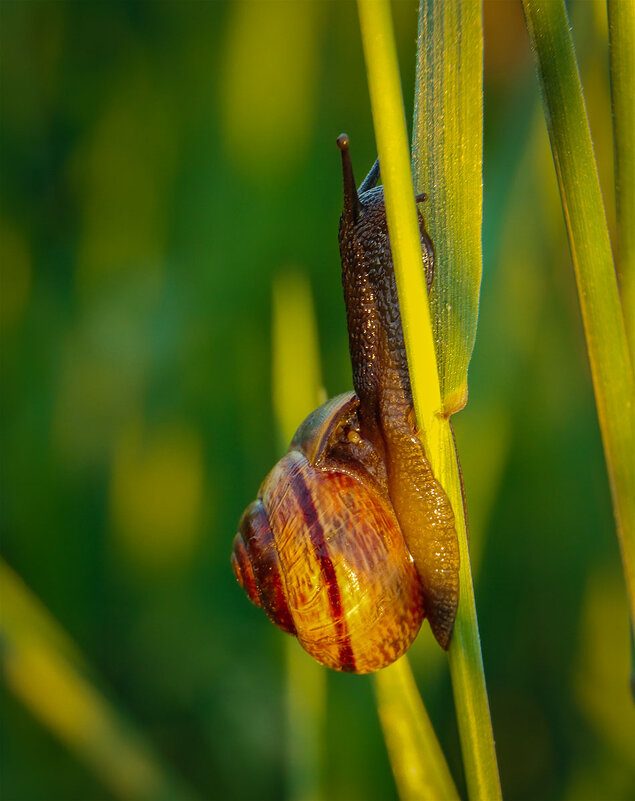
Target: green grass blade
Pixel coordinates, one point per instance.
(297, 390)
(409, 735)
(390, 129)
(392, 146)
(45, 670)
(581, 197)
(466, 661)
(448, 145)
(622, 38)
(448, 166)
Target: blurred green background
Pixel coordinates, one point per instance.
(162, 161)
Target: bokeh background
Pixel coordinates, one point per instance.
(162, 163)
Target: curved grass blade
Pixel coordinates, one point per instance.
(590, 245)
(390, 129)
(45, 670)
(409, 736)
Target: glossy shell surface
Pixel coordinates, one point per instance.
(335, 569)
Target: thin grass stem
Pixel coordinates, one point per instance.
(392, 146)
(581, 196)
(622, 43)
(416, 758)
(390, 130)
(296, 387)
(448, 145)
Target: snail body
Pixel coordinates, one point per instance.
(382, 383)
(351, 540)
(322, 552)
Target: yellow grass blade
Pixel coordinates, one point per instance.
(46, 671)
(416, 758)
(465, 657)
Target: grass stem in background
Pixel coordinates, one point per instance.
(590, 245)
(305, 721)
(390, 129)
(45, 670)
(297, 390)
(622, 48)
(417, 761)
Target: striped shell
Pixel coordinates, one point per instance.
(321, 550)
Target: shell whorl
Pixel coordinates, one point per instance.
(321, 550)
(257, 568)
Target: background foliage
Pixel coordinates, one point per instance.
(161, 162)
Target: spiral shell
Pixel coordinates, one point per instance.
(321, 550)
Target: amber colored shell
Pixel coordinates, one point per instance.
(332, 566)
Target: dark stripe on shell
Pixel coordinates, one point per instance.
(320, 548)
(243, 570)
(263, 557)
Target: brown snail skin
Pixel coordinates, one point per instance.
(321, 550)
(351, 540)
(382, 384)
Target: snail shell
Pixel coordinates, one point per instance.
(321, 550)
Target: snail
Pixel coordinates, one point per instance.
(321, 550)
(382, 384)
(351, 541)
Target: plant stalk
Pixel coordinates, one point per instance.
(621, 17)
(392, 145)
(581, 196)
